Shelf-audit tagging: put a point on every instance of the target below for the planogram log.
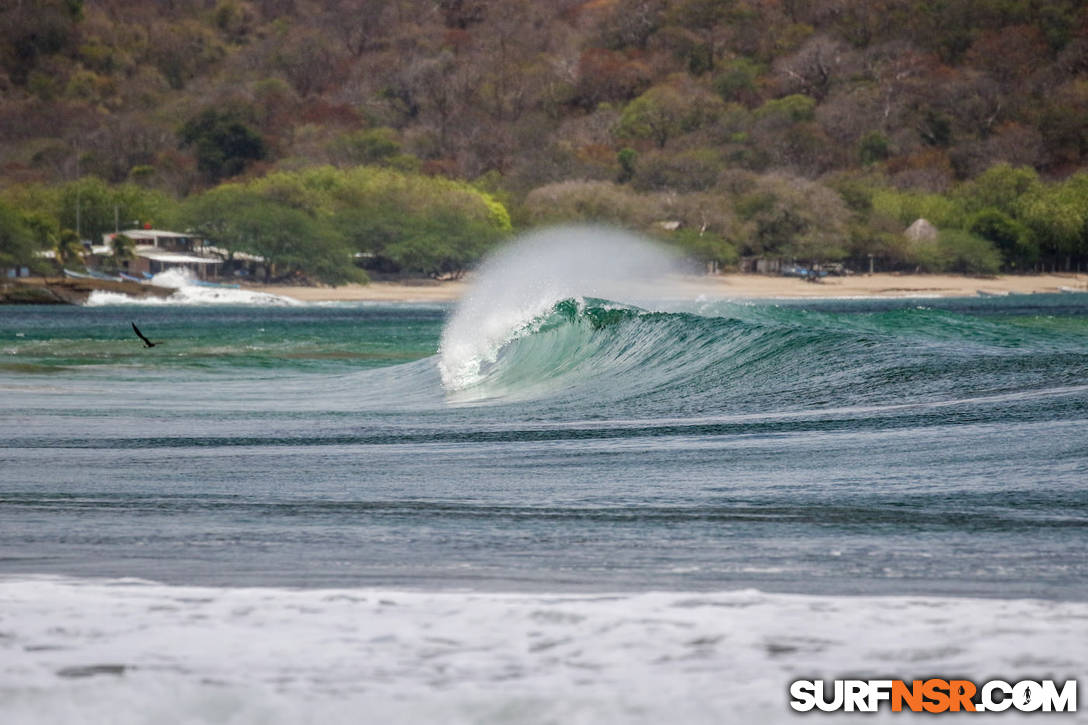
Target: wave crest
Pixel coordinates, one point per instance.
(518, 288)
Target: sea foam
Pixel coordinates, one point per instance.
(523, 281)
(129, 651)
(187, 291)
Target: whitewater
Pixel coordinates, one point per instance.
(349, 655)
(188, 290)
(573, 497)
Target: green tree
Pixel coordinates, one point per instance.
(17, 246)
(290, 239)
(1013, 239)
(418, 224)
(101, 207)
(627, 157)
(737, 80)
(123, 248)
(873, 148)
(907, 206)
(69, 249)
(223, 141)
(313, 220)
(792, 217)
(793, 109)
(964, 253)
(440, 244)
(372, 146)
(86, 205)
(706, 247)
(1058, 215)
(666, 111)
(1000, 187)
(294, 241)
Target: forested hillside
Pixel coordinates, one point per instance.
(815, 129)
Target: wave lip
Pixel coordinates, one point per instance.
(613, 351)
(598, 350)
(520, 286)
(574, 340)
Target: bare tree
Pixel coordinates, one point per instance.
(361, 25)
(814, 68)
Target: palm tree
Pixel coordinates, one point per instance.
(124, 249)
(69, 249)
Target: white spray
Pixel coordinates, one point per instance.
(523, 281)
(188, 291)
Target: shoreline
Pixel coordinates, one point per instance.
(726, 286)
(66, 291)
(675, 287)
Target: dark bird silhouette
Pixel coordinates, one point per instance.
(140, 335)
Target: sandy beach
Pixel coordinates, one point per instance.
(724, 286)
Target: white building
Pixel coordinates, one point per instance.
(157, 250)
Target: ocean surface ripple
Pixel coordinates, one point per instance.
(553, 512)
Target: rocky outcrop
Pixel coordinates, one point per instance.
(61, 290)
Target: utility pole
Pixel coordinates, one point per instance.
(116, 222)
(79, 232)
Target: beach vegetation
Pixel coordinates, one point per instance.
(317, 220)
(69, 249)
(783, 128)
(702, 245)
(123, 248)
(17, 243)
(666, 111)
(1013, 239)
(627, 158)
(223, 141)
(961, 252)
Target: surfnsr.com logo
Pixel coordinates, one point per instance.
(933, 695)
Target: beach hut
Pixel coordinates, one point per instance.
(921, 230)
(159, 250)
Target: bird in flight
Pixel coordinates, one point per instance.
(147, 343)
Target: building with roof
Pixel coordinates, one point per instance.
(158, 250)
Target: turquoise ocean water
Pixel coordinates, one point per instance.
(600, 511)
(863, 446)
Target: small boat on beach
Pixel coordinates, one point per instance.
(93, 274)
(219, 285)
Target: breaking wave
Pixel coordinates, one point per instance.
(517, 288)
(190, 291)
(529, 332)
(611, 350)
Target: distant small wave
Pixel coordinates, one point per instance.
(189, 291)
